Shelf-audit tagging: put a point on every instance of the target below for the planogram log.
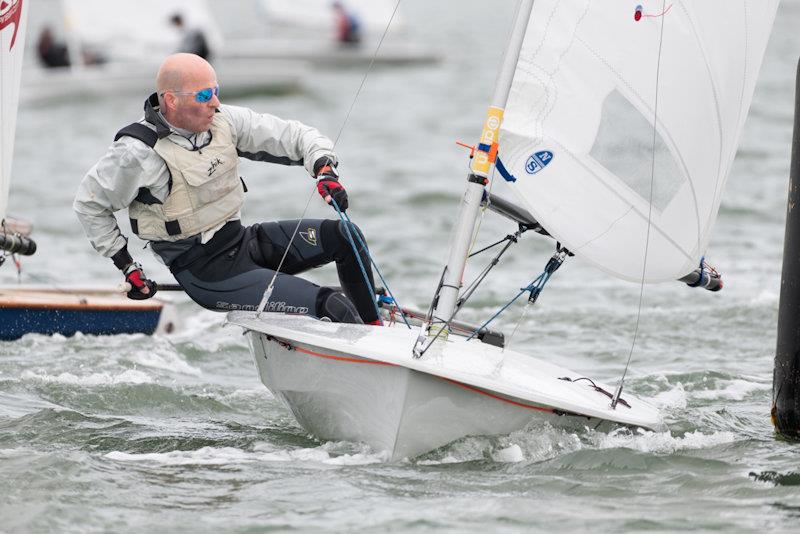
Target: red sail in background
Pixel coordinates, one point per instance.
(10, 12)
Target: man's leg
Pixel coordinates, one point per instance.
(319, 242)
(231, 276)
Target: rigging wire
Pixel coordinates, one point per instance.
(620, 385)
(271, 286)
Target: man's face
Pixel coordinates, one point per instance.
(190, 114)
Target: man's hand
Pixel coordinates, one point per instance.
(329, 187)
(141, 287)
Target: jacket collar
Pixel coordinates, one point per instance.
(152, 115)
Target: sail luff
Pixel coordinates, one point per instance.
(13, 21)
(481, 167)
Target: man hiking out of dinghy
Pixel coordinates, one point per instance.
(176, 171)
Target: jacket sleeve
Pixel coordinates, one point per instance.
(264, 137)
(111, 185)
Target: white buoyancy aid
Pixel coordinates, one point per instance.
(206, 189)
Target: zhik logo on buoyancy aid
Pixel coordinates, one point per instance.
(216, 162)
(10, 13)
(310, 236)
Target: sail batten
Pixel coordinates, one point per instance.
(641, 117)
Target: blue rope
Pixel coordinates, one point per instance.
(346, 220)
(534, 287)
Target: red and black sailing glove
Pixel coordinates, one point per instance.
(329, 187)
(141, 287)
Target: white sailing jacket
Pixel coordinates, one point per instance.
(130, 167)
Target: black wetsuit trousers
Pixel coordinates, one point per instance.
(232, 270)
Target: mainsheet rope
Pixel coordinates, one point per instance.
(347, 226)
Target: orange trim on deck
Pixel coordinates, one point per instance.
(497, 397)
(342, 358)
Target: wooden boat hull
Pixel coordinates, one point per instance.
(66, 312)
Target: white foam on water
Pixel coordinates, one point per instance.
(207, 329)
(129, 376)
(202, 456)
(324, 455)
(249, 394)
(660, 442)
(446, 460)
(329, 453)
(166, 360)
(736, 389)
(537, 443)
(674, 398)
(510, 454)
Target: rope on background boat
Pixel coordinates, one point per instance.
(347, 223)
(535, 288)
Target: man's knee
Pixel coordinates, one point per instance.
(334, 305)
(336, 239)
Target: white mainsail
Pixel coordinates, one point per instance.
(13, 18)
(592, 80)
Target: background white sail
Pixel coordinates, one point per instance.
(123, 30)
(586, 90)
(13, 18)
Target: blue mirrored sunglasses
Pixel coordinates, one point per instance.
(202, 96)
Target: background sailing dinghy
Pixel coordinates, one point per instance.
(132, 38)
(617, 127)
(45, 309)
(305, 30)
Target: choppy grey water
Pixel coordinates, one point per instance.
(176, 433)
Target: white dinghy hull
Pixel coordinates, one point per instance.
(361, 383)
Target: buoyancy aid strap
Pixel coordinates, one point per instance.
(149, 137)
(138, 131)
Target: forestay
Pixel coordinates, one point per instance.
(578, 134)
(13, 17)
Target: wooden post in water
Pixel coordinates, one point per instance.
(786, 375)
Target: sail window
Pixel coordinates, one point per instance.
(629, 156)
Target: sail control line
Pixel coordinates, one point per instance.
(534, 288)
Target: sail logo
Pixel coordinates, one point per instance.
(538, 161)
(10, 13)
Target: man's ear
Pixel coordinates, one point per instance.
(170, 101)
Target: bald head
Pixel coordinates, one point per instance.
(178, 80)
(180, 71)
